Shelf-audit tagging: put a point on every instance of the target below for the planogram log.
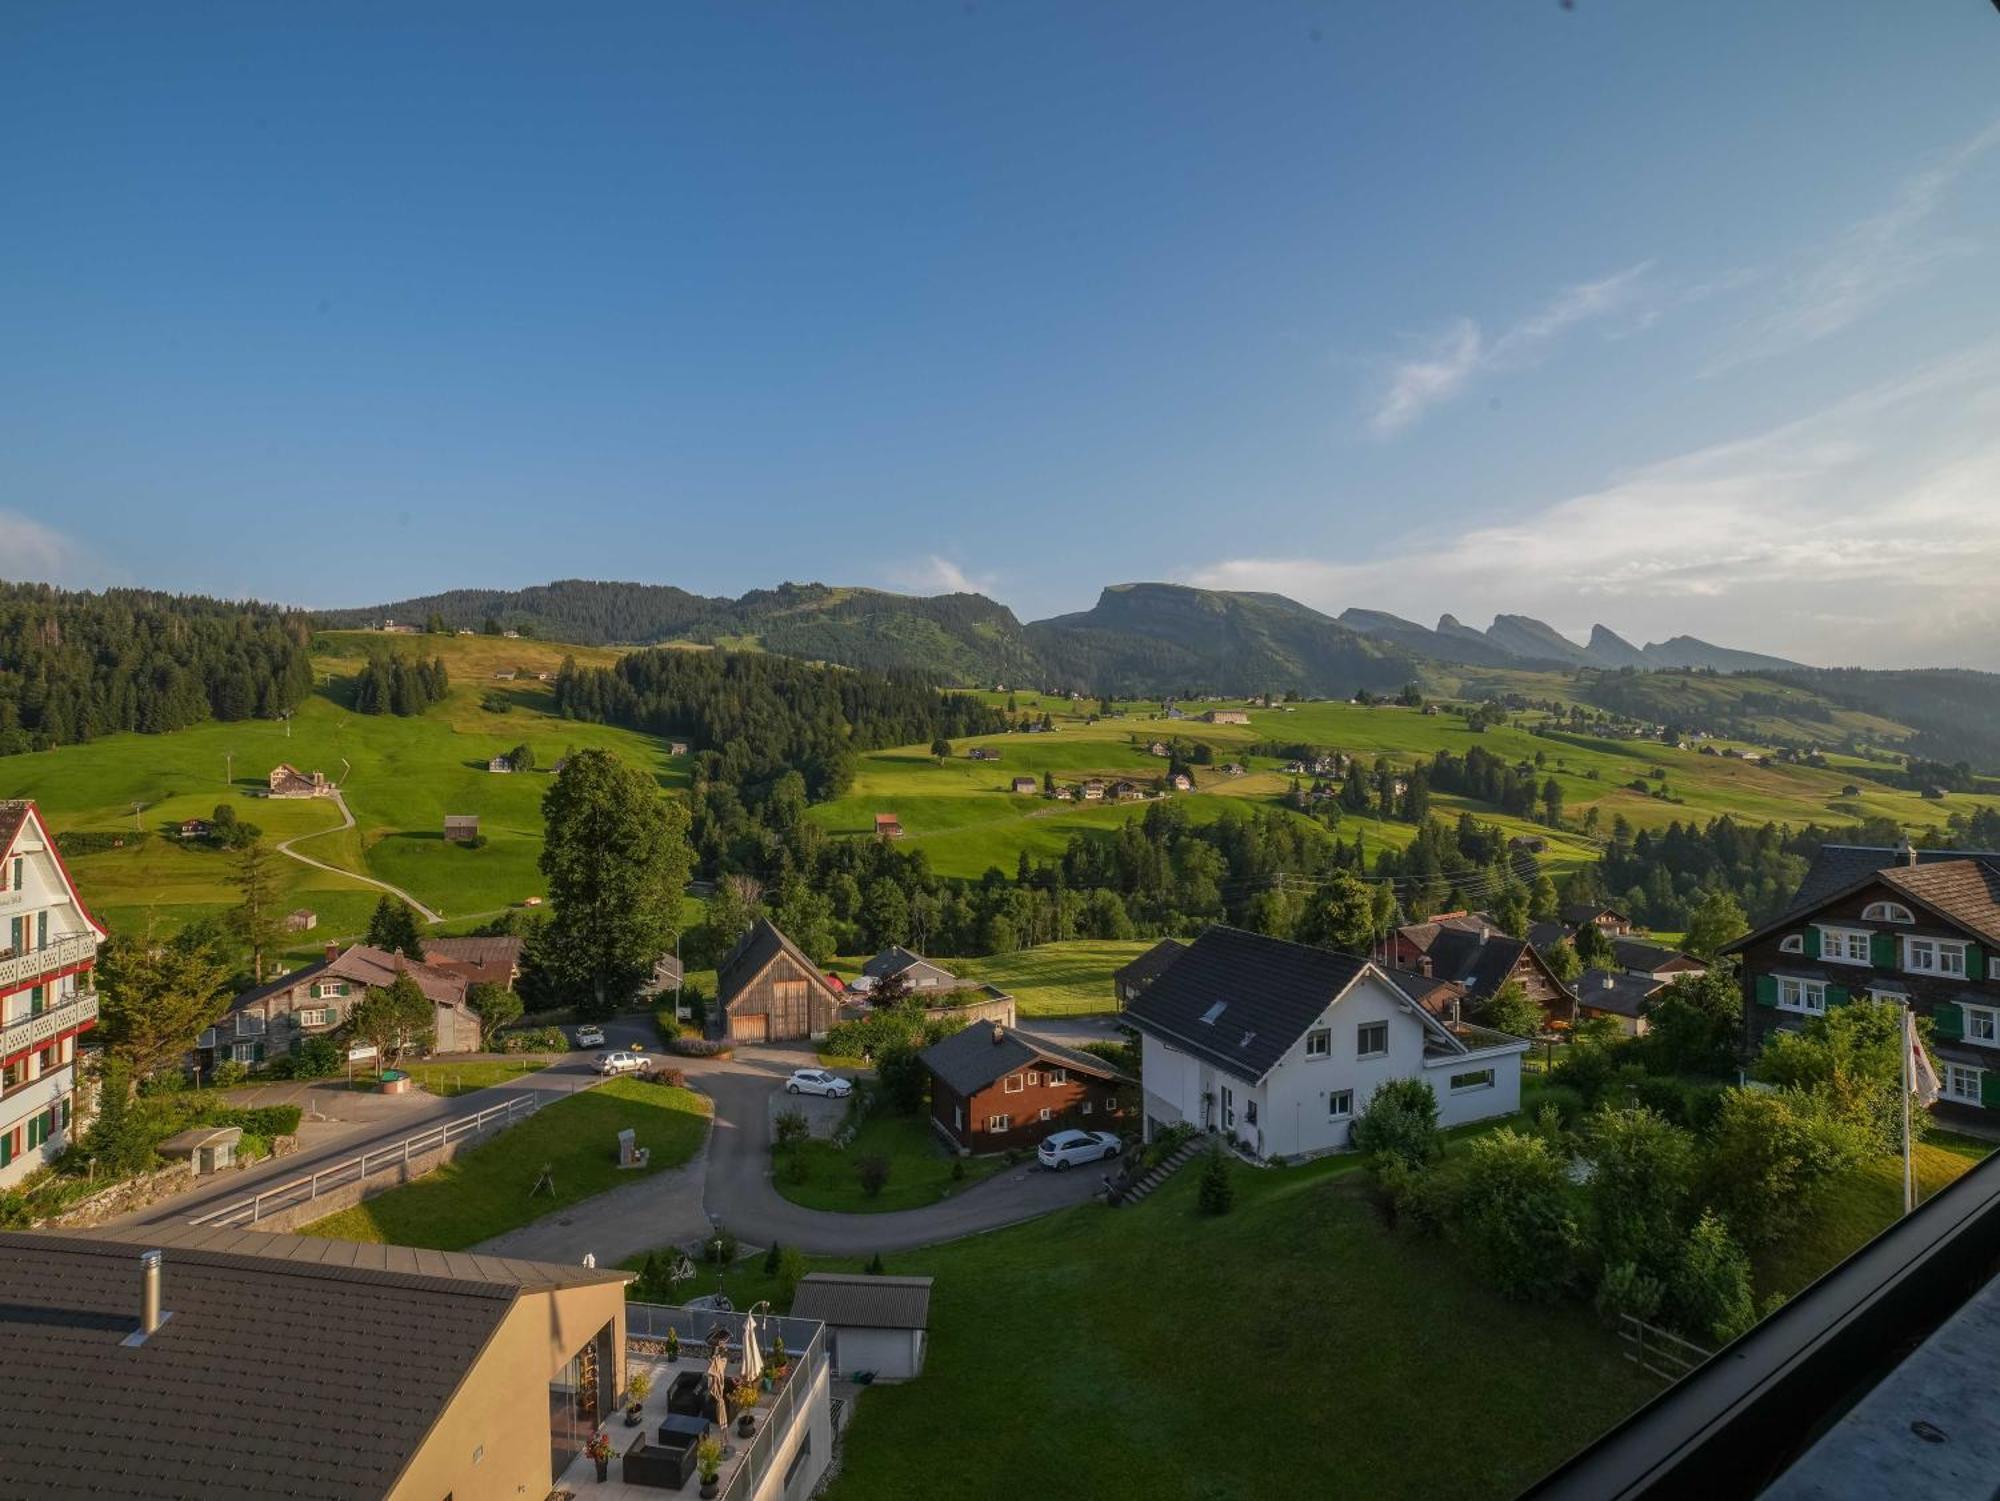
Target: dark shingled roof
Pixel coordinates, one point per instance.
(753, 951)
(1270, 992)
(1578, 913)
(1150, 965)
(1841, 868)
(1546, 935)
(975, 1056)
(290, 1367)
(859, 1301)
(1644, 954)
(1481, 965)
(1615, 991)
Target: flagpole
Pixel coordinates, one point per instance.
(1909, 1178)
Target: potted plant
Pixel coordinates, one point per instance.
(708, 1459)
(743, 1397)
(673, 1346)
(599, 1450)
(637, 1390)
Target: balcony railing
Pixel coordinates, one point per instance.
(23, 968)
(32, 1031)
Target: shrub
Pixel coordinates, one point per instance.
(902, 1078)
(791, 1267)
(1852, 1059)
(1625, 1289)
(229, 1073)
(662, 1073)
(1711, 1283)
(1567, 1102)
(698, 1047)
(874, 1174)
(1400, 1121)
(665, 1022)
(789, 1130)
(317, 1058)
(1644, 1171)
(1771, 1154)
(548, 1039)
(771, 1256)
(1514, 1211)
(1423, 1199)
(875, 1267)
(1217, 1193)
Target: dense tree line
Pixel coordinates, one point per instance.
(392, 684)
(1955, 712)
(74, 666)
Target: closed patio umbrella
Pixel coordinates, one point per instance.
(718, 1376)
(753, 1358)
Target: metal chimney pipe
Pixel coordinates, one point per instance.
(149, 1291)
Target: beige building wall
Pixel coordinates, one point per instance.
(492, 1443)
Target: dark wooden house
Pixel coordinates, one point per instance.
(994, 1088)
(767, 990)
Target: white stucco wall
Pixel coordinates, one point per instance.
(1289, 1112)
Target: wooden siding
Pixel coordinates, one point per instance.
(964, 1119)
(783, 1002)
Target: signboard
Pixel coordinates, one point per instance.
(361, 1052)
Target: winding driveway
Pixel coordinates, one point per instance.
(284, 847)
(740, 1196)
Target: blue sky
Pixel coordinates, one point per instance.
(1680, 317)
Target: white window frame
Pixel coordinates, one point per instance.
(1938, 948)
(1047, 1114)
(1989, 1016)
(1360, 1035)
(1319, 1042)
(1486, 1078)
(1228, 1107)
(1792, 943)
(1034, 1078)
(1084, 1108)
(1839, 945)
(1808, 997)
(1887, 912)
(1972, 1077)
(1012, 1084)
(1339, 1104)
(999, 1123)
(243, 1052)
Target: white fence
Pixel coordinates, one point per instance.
(396, 1157)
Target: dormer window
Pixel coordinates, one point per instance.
(1214, 1013)
(1886, 912)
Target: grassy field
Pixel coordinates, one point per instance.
(400, 777)
(1156, 1351)
(1058, 979)
(488, 1190)
(1860, 1208)
(819, 1175)
(447, 1079)
(962, 815)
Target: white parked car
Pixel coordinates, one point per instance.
(1067, 1148)
(619, 1063)
(590, 1037)
(818, 1081)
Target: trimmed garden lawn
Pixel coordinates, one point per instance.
(819, 1175)
(1292, 1347)
(488, 1190)
(1859, 1208)
(1058, 979)
(448, 1079)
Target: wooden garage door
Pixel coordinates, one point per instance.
(750, 1028)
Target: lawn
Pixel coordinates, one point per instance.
(449, 1079)
(489, 1189)
(1860, 1207)
(1058, 979)
(819, 1175)
(1290, 1348)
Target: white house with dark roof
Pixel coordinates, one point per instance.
(1277, 1046)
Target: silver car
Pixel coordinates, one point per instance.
(818, 1081)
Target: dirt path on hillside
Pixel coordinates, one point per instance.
(347, 822)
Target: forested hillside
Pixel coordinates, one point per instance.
(1954, 711)
(76, 665)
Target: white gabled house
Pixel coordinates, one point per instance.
(1278, 1046)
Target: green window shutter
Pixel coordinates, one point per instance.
(1975, 962)
(6, 1147)
(1812, 942)
(1989, 1089)
(1948, 1021)
(1882, 950)
(258, 1056)
(1838, 995)
(1767, 990)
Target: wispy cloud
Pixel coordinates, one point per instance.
(1867, 262)
(1865, 532)
(940, 575)
(32, 552)
(1463, 351)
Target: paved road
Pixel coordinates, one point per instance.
(741, 1197)
(557, 1079)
